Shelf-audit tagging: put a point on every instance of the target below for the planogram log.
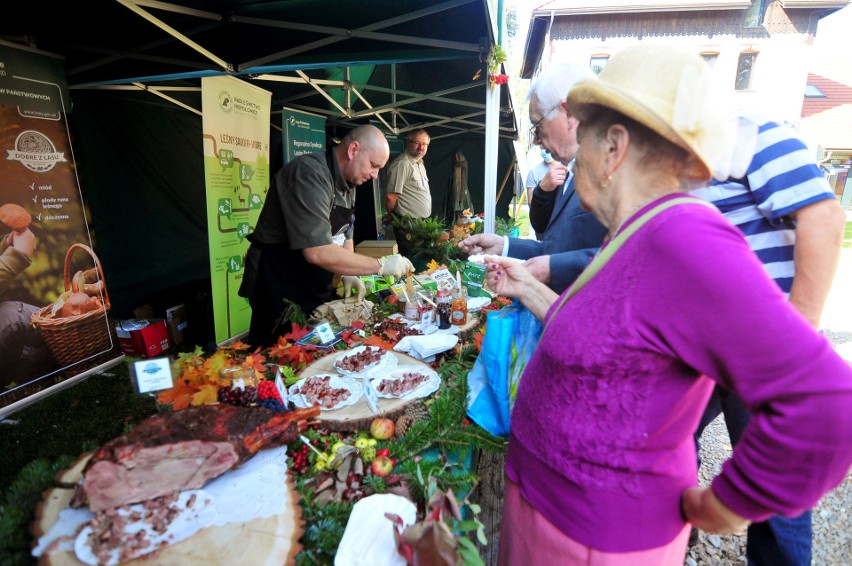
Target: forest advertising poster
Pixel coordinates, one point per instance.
(235, 118)
(54, 306)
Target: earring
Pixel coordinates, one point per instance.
(605, 182)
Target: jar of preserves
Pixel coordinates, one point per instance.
(237, 377)
(443, 309)
(459, 306)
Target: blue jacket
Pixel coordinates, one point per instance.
(571, 239)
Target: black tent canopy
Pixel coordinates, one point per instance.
(134, 69)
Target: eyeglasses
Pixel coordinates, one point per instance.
(534, 129)
(418, 143)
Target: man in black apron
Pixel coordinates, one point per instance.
(304, 233)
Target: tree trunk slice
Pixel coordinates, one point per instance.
(270, 540)
(359, 416)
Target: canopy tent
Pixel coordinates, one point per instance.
(134, 69)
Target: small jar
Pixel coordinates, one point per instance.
(237, 377)
(412, 311)
(444, 308)
(427, 309)
(459, 307)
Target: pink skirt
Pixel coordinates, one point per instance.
(526, 537)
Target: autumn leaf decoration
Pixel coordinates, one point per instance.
(496, 58)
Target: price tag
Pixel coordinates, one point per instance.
(152, 375)
(371, 396)
(325, 333)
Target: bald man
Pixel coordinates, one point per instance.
(304, 233)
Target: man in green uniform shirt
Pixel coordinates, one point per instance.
(304, 233)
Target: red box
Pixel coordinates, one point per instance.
(146, 342)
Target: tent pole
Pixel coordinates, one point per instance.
(492, 127)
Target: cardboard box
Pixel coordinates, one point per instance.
(176, 321)
(377, 248)
(142, 341)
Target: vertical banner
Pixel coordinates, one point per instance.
(54, 307)
(235, 125)
(303, 133)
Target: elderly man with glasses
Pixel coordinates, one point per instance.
(571, 236)
(408, 192)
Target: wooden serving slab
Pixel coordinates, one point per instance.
(272, 540)
(359, 416)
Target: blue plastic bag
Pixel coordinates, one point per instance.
(511, 335)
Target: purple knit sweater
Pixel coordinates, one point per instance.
(602, 426)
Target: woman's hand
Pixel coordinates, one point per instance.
(705, 511)
(508, 277)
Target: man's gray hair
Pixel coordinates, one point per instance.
(552, 85)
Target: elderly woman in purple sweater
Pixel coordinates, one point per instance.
(601, 465)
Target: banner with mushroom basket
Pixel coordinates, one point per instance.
(54, 307)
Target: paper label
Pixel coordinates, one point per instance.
(279, 384)
(325, 333)
(371, 397)
(153, 374)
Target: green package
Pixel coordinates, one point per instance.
(473, 275)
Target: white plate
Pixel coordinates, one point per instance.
(387, 361)
(423, 390)
(336, 382)
(186, 523)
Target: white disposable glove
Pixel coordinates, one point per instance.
(353, 282)
(395, 266)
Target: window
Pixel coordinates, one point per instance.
(813, 91)
(745, 67)
(598, 62)
(710, 57)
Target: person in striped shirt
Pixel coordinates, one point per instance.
(793, 222)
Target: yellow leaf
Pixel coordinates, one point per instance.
(477, 75)
(206, 395)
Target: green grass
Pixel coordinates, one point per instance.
(847, 236)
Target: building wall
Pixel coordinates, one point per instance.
(783, 44)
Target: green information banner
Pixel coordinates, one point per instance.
(54, 306)
(303, 133)
(235, 121)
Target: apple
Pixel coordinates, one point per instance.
(382, 428)
(381, 466)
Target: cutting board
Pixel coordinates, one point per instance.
(359, 416)
(273, 540)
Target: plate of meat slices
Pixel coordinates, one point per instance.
(363, 359)
(328, 391)
(406, 382)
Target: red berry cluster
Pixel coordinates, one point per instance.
(267, 390)
(298, 460)
(499, 79)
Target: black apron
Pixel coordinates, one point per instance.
(281, 273)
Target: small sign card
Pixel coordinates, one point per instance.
(152, 374)
(371, 397)
(325, 333)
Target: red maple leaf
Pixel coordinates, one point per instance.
(297, 333)
(255, 361)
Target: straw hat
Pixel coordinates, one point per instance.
(669, 91)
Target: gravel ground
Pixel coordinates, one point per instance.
(832, 518)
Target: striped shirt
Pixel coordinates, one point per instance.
(781, 179)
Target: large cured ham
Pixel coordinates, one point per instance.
(180, 450)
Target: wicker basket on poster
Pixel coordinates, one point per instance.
(76, 325)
